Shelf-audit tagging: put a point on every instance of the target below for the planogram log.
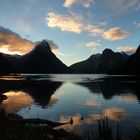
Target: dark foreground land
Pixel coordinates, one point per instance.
(11, 128)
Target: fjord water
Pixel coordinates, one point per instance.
(85, 98)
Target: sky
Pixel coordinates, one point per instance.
(75, 29)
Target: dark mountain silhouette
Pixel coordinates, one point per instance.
(107, 62)
(132, 65)
(5, 65)
(110, 61)
(41, 60)
(14, 60)
(87, 66)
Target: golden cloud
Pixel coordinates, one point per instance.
(72, 23)
(65, 22)
(75, 23)
(93, 44)
(94, 30)
(83, 3)
(69, 3)
(13, 42)
(126, 49)
(115, 34)
(115, 113)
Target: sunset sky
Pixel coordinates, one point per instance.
(76, 29)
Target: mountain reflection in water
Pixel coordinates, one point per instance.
(86, 98)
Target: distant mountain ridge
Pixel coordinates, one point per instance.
(42, 60)
(87, 66)
(107, 62)
(132, 65)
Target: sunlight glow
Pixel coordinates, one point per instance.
(5, 50)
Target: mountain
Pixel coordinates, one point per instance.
(107, 62)
(111, 62)
(41, 60)
(86, 66)
(14, 60)
(132, 65)
(5, 65)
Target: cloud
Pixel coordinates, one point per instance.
(76, 24)
(126, 49)
(13, 41)
(94, 30)
(83, 3)
(122, 5)
(69, 3)
(93, 44)
(54, 46)
(62, 54)
(71, 23)
(102, 23)
(137, 24)
(115, 34)
(115, 113)
(64, 22)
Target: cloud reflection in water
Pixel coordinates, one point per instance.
(16, 101)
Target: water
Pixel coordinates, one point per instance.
(85, 98)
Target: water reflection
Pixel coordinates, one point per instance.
(109, 87)
(16, 101)
(92, 102)
(127, 98)
(40, 91)
(115, 113)
(85, 98)
(80, 125)
(52, 101)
